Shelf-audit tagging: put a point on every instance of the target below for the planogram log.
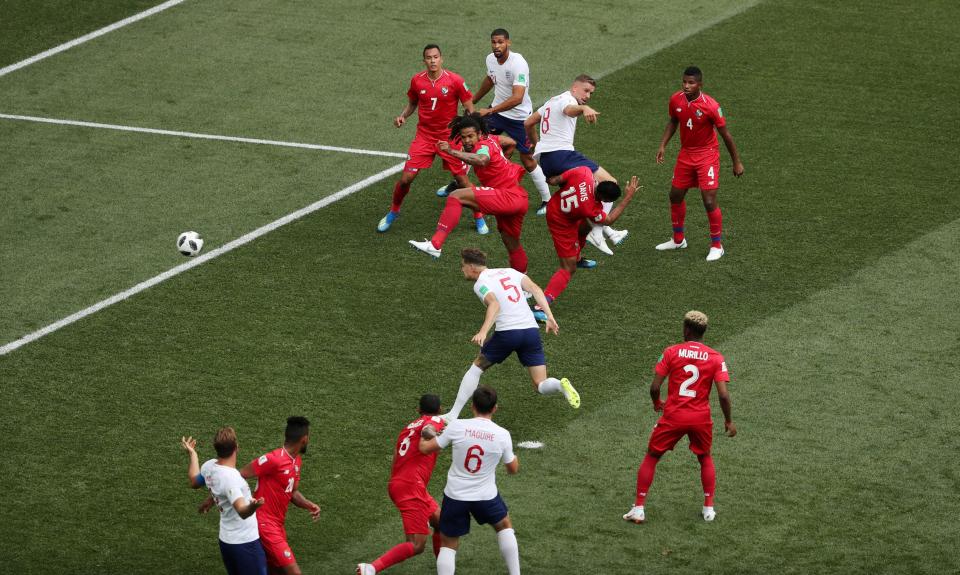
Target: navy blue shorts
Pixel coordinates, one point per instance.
(514, 128)
(558, 162)
(455, 514)
(244, 558)
(526, 342)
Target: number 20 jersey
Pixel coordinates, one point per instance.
(278, 476)
(691, 368)
(479, 445)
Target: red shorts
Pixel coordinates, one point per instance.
(274, 541)
(422, 151)
(415, 505)
(508, 206)
(667, 433)
(568, 237)
(699, 169)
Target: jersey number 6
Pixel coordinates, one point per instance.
(475, 453)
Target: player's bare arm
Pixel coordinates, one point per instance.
(514, 466)
(655, 392)
(247, 471)
(193, 468)
(530, 126)
(479, 160)
(407, 111)
(726, 405)
(428, 446)
(303, 503)
(247, 508)
(493, 308)
(507, 145)
(668, 131)
(531, 287)
(515, 99)
(732, 148)
(485, 86)
(588, 113)
(628, 193)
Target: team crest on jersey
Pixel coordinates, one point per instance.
(699, 113)
(423, 91)
(444, 90)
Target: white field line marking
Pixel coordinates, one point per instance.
(192, 263)
(87, 37)
(200, 136)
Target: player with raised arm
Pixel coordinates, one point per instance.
(508, 74)
(501, 291)
(699, 118)
(278, 483)
(554, 151)
(570, 213)
(239, 538)
(409, 478)
(691, 369)
(479, 445)
(435, 95)
(499, 194)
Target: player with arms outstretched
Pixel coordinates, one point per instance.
(699, 119)
(691, 369)
(435, 95)
(278, 483)
(499, 194)
(479, 446)
(409, 478)
(501, 291)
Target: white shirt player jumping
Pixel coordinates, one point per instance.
(479, 446)
(554, 150)
(502, 291)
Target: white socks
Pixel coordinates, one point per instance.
(468, 385)
(549, 385)
(540, 181)
(447, 561)
(507, 540)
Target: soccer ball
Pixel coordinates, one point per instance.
(189, 243)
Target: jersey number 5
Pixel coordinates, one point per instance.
(685, 386)
(507, 286)
(474, 454)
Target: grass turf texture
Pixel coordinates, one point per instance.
(830, 306)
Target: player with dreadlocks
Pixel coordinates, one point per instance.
(499, 193)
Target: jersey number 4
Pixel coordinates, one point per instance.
(474, 457)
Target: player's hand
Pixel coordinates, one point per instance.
(478, 338)
(730, 428)
(660, 155)
(484, 112)
(590, 115)
(552, 326)
(658, 406)
(189, 443)
(257, 503)
(428, 432)
(738, 169)
(632, 186)
(314, 510)
(399, 121)
(443, 146)
(205, 506)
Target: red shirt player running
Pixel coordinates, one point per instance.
(570, 213)
(699, 117)
(435, 94)
(692, 369)
(408, 489)
(278, 483)
(499, 194)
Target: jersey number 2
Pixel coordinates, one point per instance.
(685, 386)
(474, 454)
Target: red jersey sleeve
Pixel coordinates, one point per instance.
(463, 91)
(663, 366)
(722, 373)
(672, 108)
(412, 91)
(263, 465)
(716, 114)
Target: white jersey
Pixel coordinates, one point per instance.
(479, 445)
(226, 485)
(556, 128)
(513, 72)
(506, 284)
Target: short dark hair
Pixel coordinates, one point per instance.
(693, 71)
(586, 78)
(297, 427)
(430, 47)
(225, 442)
(500, 32)
(608, 191)
(484, 399)
(473, 256)
(429, 404)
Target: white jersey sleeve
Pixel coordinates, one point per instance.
(513, 72)
(557, 129)
(226, 485)
(479, 446)
(507, 285)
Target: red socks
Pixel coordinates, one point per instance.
(399, 192)
(557, 284)
(678, 213)
(645, 477)
(716, 227)
(708, 477)
(518, 260)
(448, 220)
(399, 553)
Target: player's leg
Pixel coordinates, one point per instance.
(454, 523)
(464, 183)
(449, 218)
(664, 437)
(495, 513)
(435, 524)
(400, 190)
(701, 444)
(615, 236)
(709, 176)
(678, 215)
(469, 383)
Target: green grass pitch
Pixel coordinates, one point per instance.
(836, 304)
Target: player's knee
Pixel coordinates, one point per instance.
(655, 454)
(419, 545)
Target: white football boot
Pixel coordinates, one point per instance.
(715, 254)
(615, 236)
(595, 238)
(426, 246)
(671, 245)
(709, 514)
(635, 515)
(366, 569)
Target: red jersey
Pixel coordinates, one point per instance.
(575, 200)
(409, 464)
(437, 101)
(278, 476)
(500, 173)
(691, 367)
(698, 120)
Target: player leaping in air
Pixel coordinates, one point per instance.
(699, 118)
(501, 291)
(499, 194)
(409, 478)
(434, 94)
